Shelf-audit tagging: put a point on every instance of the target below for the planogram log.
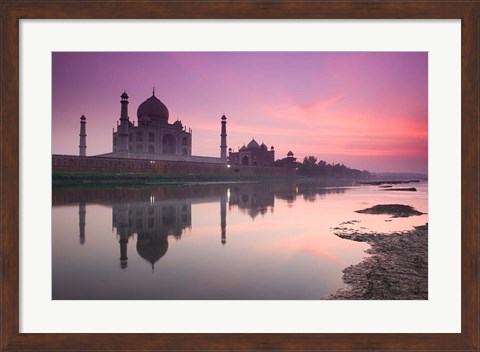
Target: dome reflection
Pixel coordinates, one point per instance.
(152, 221)
(151, 215)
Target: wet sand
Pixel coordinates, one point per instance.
(397, 268)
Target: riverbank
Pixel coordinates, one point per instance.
(396, 270)
(67, 178)
(104, 178)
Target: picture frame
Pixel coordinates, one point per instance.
(13, 11)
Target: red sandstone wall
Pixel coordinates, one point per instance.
(117, 165)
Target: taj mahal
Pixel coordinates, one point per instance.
(155, 138)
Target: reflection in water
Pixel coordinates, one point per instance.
(82, 213)
(153, 215)
(279, 246)
(252, 200)
(223, 216)
(152, 221)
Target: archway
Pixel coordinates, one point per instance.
(245, 160)
(168, 144)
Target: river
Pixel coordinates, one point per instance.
(243, 241)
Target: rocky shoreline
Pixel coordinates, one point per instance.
(397, 268)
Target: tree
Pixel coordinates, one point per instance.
(308, 167)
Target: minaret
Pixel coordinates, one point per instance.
(83, 136)
(122, 137)
(223, 142)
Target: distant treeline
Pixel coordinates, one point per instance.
(310, 167)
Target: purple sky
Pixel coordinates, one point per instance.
(365, 110)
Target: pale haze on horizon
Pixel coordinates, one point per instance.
(367, 110)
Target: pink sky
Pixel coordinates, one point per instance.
(366, 110)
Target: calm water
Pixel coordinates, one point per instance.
(223, 241)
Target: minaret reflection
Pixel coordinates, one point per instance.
(152, 221)
(223, 216)
(81, 221)
(121, 221)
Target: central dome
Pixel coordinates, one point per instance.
(253, 144)
(154, 109)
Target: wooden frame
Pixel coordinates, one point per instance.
(12, 11)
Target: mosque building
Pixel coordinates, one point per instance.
(253, 154)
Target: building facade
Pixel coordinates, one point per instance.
(154, 145)
(153, 135)
(253, 154)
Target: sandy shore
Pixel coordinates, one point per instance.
(396, 270)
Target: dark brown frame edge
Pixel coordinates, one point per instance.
(13, 11)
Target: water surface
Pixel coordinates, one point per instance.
(215, 241)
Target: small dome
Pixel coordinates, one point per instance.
(243, 147)
(253, 144)
(223, 117)
(153, 108)
(124, 95)
(263, 146)
(83, 117)
(290, 153)
(178, 124)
